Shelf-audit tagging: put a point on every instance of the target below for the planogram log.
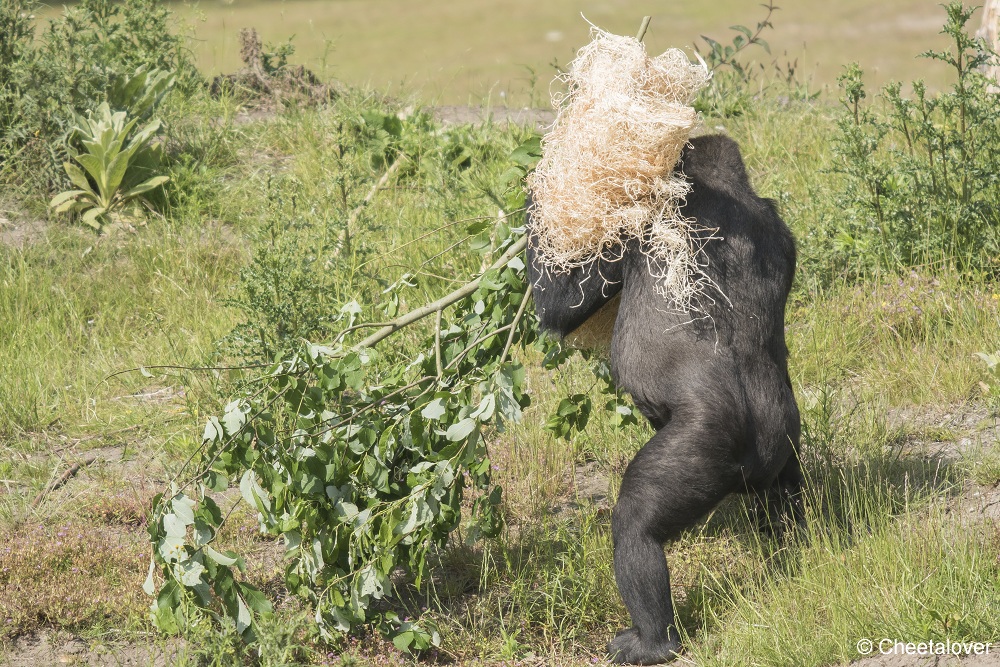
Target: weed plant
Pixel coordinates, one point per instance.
(922, 174)
(77, 63)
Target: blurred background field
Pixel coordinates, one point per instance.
(501, 51)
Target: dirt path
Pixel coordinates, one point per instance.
(21, 233)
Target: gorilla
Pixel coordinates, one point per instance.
(713, 383)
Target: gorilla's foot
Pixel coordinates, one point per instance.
(628, 648)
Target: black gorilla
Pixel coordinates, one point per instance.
(715, 388)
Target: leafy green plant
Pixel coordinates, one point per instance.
(729, 92)
(737, 83)
(117, 164)
(138, 95)
(360, 461)
(16, 32)
(922, 174)
(285, 294)
(524, 157)
(89, 55)
(362, 458)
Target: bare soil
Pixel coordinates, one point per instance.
(57, 648)
(20, 233)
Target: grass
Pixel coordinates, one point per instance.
(501, 51)
(883, 552)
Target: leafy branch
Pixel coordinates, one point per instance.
(360, 462)
(360, 457)
(437, 306)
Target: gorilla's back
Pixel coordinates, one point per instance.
(728, 355)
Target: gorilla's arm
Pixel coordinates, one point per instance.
(565, 300)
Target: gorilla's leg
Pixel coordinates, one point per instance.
(675, 479)
(779, 507)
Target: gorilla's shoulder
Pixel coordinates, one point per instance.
(714, 159)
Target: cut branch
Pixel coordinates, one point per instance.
(513, 325)
(65, 477)
(642, 28)
(443, 302)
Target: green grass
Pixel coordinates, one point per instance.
(468, 52)
(75, 309)
(882, 553)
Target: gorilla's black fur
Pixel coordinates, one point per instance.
(714, 383)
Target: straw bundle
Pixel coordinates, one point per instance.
(607, 168)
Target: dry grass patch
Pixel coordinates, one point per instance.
(71, 576)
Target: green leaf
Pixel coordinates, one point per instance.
(162, 611)
(221, 559)
(146, 186)
(216, 481)
(171, 547)
(461, 430)
(213, 430)
(183, 509)
(93, 217)
(149, 586)
(478, 227)
(77, 177)
(63, 198)
(485, 410)
(511, 176)
(403, 640)
(191, 572)
(116, 172)
(96, 169)
(256, 600)
(434, 410)
(253, 494)
(743, 29)
(174, 526)
(203, 533)
(74, 205)
(529, 152)
(244, 619)
(369, 583)
(210, 512)
(234, 417)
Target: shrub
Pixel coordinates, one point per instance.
(921, 174)
(738, 84)
(83, 59)
(16, 32)
(729, 92)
